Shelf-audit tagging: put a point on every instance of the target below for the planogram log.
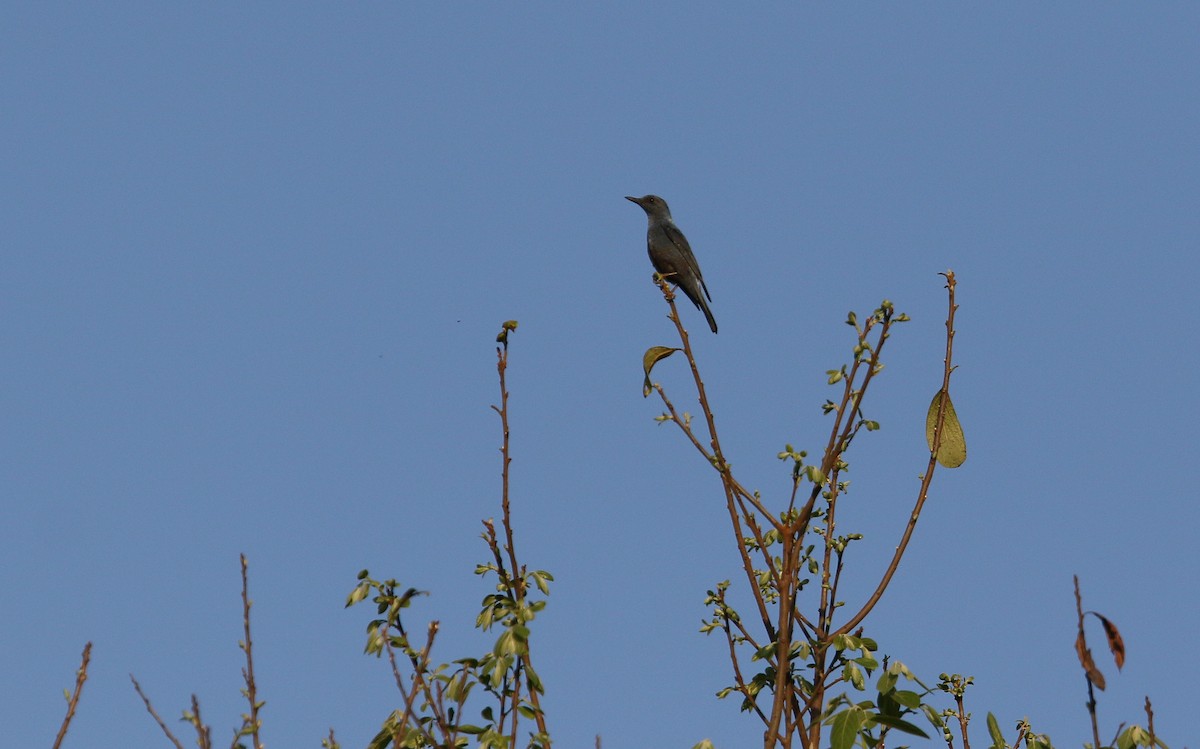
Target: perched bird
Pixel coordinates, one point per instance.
(671, 254)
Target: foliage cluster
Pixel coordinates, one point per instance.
(800, 660)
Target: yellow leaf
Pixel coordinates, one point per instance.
(649, 359)
(952, 450)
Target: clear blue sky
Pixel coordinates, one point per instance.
(255, 256)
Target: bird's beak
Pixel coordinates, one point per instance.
(634, 200)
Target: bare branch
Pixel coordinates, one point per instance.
(252, 720)
(73, 702)
(150, 708)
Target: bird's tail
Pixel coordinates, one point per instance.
(712, 321)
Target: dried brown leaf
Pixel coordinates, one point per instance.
(1089, 665)
(1116, 645)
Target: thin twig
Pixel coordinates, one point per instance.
(150, 708)
(926, 480)
(517, 571)
(253, 720)
(510, 546)
(73, 702)
(716, 459)
(760, 541)
(1150, 721)
(845, 427)
(1091, 703)
(737, 670)
(419, 684)
(203, 732)
(515, 587)
(962, 720)
(780, 630)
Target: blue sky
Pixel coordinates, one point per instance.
(257, 254)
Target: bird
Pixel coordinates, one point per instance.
(671, 254)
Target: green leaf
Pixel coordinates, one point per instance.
(505, 327)
(521, 634)
(995, 732)
(459, 687)
(540, 579)
(952, 450)
(867, 661)
(934, 718)
(764, 653)
(381, 740)
(534, 681)
(1136, 736)
(507, 643)
(527, 711)
(846, 726)
(358, 594)
(485, 618)
(499, 671)
(854, 675)
(899, 725)
(653, 355)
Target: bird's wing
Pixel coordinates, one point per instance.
(689, 257)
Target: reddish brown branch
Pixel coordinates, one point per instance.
(252, 719)
(72, 703)
(516, 572)
(150, 709)
(926, 480)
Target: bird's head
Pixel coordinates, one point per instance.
(654, 206)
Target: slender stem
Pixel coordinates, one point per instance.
(516, 570)
(731, 488)
(1150, 721)
(203, 732)
(73, 702)
(419, 685)
(737, 672)
(150, 708)
(783, 646)
(926, 479)
(248, 672)
(1020, 736)
(1091, 703)
(962, 720)
(501, 367)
